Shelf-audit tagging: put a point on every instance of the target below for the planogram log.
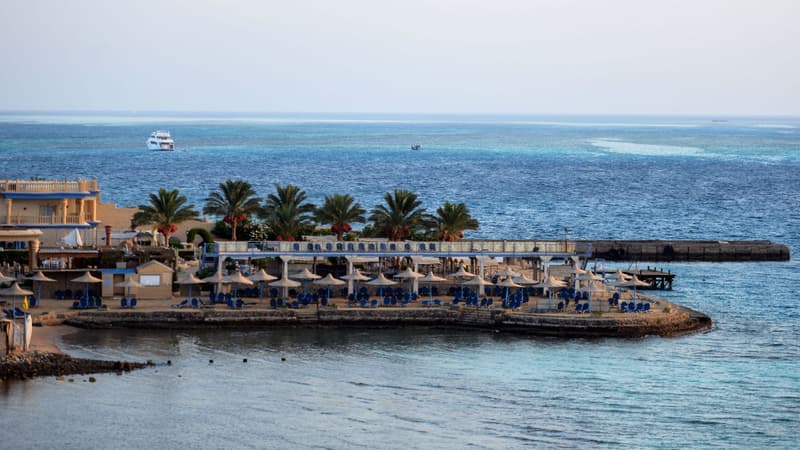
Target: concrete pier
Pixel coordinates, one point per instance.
(677, 250)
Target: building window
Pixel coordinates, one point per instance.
(150, 280)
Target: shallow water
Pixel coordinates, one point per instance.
(735, 387)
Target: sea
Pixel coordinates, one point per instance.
(522, 177)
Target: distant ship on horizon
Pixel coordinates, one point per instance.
(416, 147)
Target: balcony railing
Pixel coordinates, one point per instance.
(72, 219)
(48, 186)
(433, 248)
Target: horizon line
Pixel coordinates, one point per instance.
(391, 113)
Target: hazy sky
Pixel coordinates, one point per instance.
(445, 56)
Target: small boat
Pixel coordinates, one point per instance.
(416, 147)
(160, 140)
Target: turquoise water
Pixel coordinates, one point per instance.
(523, 177)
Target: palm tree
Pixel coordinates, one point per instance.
(166, 210)
(451, 221)
(286, 211)
(400, 215)
(338, 211)
(235, 201)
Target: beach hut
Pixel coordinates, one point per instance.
(156, 280)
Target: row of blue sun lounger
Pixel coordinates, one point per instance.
(88, 303)
(126, 303)
(14, 313)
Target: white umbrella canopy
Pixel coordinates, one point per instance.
(87, 278)
(217, 278)
(262, 275)
(328, 280)
(381, 280)
(509, 283)
(524, 279)
(128, 284)
(356, 275)
(285, 283)
(190, 280)
(620, 276)
(39, 276)
(461, 273)
(238, 278)
(5, 279)
(131, 283)
(431, 278)
(305, 274)
(478, 281)
(14, 290)
(408, 273)
(507, 272)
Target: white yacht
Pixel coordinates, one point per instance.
(160, 140)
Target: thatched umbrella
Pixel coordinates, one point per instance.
(87, 278)
(410, 275)
(13, 292)
(381, 281)
(190, 280)
(329, 281)
(41, 278)
(431, 278)
(305, 275)
(285, 283)
(238, 279)
(356, 276)
(260, 277)
(128, 284)
(549, 283)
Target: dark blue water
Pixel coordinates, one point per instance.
(522, 177)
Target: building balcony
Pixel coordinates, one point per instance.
(48, 186)
(35, 221)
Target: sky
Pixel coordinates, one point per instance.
(728, 57)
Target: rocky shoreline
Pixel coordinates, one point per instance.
(44, 364)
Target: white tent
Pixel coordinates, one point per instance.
(73, 239)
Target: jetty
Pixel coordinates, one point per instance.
(686, 250)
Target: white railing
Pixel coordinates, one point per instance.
(72, 219)
(400, 247)
(48, 186)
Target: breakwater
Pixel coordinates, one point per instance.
(672, 320)
(688, 250)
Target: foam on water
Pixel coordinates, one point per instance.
(631, 148)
